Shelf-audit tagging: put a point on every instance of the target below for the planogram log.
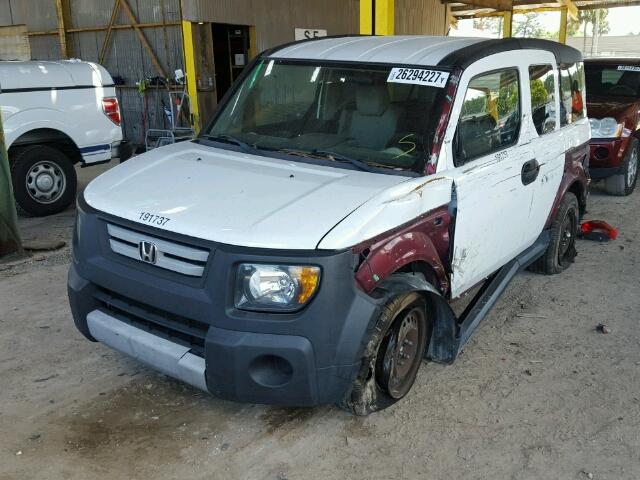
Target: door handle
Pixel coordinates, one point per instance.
(530, 171)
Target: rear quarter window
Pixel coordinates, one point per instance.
(572, 104)
(543, 98)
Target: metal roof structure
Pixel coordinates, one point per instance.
(476, 8)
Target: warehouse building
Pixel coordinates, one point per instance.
(141, 42)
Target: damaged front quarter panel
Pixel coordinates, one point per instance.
(407, 224)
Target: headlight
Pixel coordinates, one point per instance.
(275, 287)
(606, 128)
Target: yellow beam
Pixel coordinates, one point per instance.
(475, 4)
(384, 17)
(366, 17)
(62, 33)
(145, 43)
(507, 24)
(571, 8)
(107, 36)
(190, 72)
(377, 17)
(562, 37)
(462, 15)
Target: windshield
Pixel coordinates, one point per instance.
(344, 113)
(613, 80)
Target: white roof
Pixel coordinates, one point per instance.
(407, 49)
(47, 74)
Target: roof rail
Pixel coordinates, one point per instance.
(271, 51)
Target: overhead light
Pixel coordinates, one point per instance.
(200, 23)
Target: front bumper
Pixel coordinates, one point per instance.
(188, 327)
(607, 157)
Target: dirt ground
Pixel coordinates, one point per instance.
(536, 394)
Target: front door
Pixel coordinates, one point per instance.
(490, 150)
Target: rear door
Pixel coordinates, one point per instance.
(547, 138)
(490, 148)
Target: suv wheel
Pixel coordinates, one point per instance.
(624, 183)
(561, 251)
(44, 180)
(393, 355)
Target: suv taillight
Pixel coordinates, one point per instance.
(111, 109)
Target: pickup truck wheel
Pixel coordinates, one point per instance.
(561, 251)
(624, 183)
(392, 355)
(44, 180)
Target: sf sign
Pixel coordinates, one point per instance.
(306, 33)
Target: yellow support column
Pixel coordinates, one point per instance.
(562, 37)
(377, 17)
(384, 17)
(507, 24)
(190, 72)
(366, 17)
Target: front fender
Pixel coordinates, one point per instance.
(391, 256)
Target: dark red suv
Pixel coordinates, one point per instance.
(613, 106)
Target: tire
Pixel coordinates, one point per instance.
(624, 183)
(44, 180)
(383, 379)
(561, 251)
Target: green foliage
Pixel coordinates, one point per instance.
(539, 94)
(507, 99)
(587, 21)
(475, 106)
(489, 24)
(528, 25)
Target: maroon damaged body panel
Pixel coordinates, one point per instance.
(575, 179)
(423, 243)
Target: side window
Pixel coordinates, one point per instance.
(490, 116)
(572, 107)
(543, 98)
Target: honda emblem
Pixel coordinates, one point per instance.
(148, 252)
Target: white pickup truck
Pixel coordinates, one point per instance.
(56, 115)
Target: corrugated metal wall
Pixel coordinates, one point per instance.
(275, 20)
(420, 17)
(125, 58)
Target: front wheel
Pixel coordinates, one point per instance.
(624, 183)
(561, 251)
(392, 356)
(44, 180)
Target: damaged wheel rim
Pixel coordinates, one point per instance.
(566, 247)
(632, 169)
(401, 356)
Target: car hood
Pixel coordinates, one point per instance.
(235, 198)
(618, 108)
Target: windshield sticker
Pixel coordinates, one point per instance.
(629, 68)
(418, 76)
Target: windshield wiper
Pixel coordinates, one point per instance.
(233, 140)
(343, 158)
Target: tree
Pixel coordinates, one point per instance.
(489, 24)
(528, 25)
(539, 94)
(594, 20)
